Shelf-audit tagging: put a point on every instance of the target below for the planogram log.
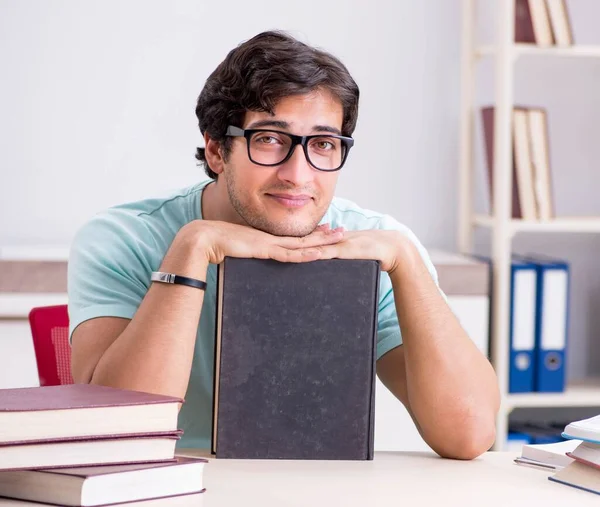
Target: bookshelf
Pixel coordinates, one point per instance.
(501, 225)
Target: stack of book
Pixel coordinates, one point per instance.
(532, 189)
(89, 445)
(584, 471)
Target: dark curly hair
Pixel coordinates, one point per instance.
(260, 72)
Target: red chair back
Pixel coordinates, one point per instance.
(50, 331)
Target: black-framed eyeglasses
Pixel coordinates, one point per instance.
(325, 152)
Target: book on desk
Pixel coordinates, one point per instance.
(295, 359)
(574, 461)
(584, 472)
(79, 444)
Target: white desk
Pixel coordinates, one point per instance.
(395, 479)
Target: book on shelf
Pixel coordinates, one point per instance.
(544, 23)
(106, 485)
(295, 359)
(561, 22)
(82, 410)
(584, 470)
(537, 123)
(532, 188)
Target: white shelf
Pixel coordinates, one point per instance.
(577, 50)
(505, 53)
(559, 224)
(578, 394)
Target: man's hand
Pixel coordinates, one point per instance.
(380, 245)
(154, 351)
(220, 239)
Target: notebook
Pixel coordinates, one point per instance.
(105, 485)
(82, 410)
(295, 359)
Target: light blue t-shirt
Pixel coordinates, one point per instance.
(113, 255)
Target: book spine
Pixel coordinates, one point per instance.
(371, 442)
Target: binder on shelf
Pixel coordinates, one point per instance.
(523, 302)
(552, 314)
(538, 432)
(515, 441)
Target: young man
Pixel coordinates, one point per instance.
(276, 116)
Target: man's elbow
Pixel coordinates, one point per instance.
(471, 440)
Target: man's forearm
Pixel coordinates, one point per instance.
(452, 388)
(155, 351)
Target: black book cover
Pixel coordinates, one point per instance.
(295, 359)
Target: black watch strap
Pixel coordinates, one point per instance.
(158, 276)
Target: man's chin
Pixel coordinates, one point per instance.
(294, 229)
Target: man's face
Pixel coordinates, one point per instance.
(289, 199)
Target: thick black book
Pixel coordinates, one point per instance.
(295, 354)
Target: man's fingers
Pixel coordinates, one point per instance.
(329, 251)
(316, 238)
(282, 254)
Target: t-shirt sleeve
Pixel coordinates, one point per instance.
(389, 335)
(108, 269)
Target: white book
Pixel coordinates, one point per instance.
(588, 454)
(107, 485)
(193, 500)
(101, 451)
(585, 429)
(554, 454)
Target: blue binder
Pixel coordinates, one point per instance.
(552, 317)
(523, 302)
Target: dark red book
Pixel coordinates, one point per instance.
(82, 410)
(532, 23)
(487, 116)
(523, 23)
(107, 485)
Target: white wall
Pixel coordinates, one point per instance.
(97, 106)
(98, 102)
